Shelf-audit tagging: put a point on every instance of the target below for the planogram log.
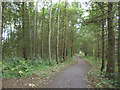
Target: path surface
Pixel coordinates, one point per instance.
(72, 77)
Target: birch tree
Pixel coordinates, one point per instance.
(57, 42)
(119, 42)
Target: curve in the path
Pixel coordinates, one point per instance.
(72, 77)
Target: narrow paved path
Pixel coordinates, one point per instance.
(72, 77)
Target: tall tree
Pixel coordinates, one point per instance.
(50, 34)
(72, 37)
(30, 33)
(119, 41)
(36, 48)
(3, 5)
(101, 5)
(111, 42)
(65, 21)
(42, 39)
(35, 29)
(1, 28)
(57, 41)
(23, 28)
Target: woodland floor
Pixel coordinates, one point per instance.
(71, 76)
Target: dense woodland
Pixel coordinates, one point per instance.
(53, 32)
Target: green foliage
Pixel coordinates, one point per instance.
(97, 78)
(17, 67)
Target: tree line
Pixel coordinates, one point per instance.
(39, 29)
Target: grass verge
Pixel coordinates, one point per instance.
(20, 68)
(95, 78)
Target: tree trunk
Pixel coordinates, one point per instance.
(65, 33)
(36, 48)
(102, 67)
(72, 36)
(86, 54)
(63, 45)
(72, 50)
(50, 34)
(34, 31)
(111, 42)
(2, 19)
(23, 28)
(119, 43)
(57, 41)
(1, 28)
(30, 36)
(98, 46)
(42, 40)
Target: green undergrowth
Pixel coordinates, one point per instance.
(17, 67)
(98, 79)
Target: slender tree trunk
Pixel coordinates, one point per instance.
(119, 43)
(1, 32)
(72, 49)
(72, 36)
(50, 34)
(3, 4)
(30, 36)
(23, 28)
(34, 31)
(1, 28)
(106, 45)
(103, 43)
(65, 33)
(42, 42)
(11, 36)
(111, 42)
(63, 46)
(36, 48)
(57, 42)
(98, 46)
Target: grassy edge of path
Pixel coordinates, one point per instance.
(95, 78)
(39, 76)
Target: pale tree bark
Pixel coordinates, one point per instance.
(1, 28)
(111, 42)
(119, 42)
(3, 4)
(57, 42)
(63, 45)
(50, 34)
